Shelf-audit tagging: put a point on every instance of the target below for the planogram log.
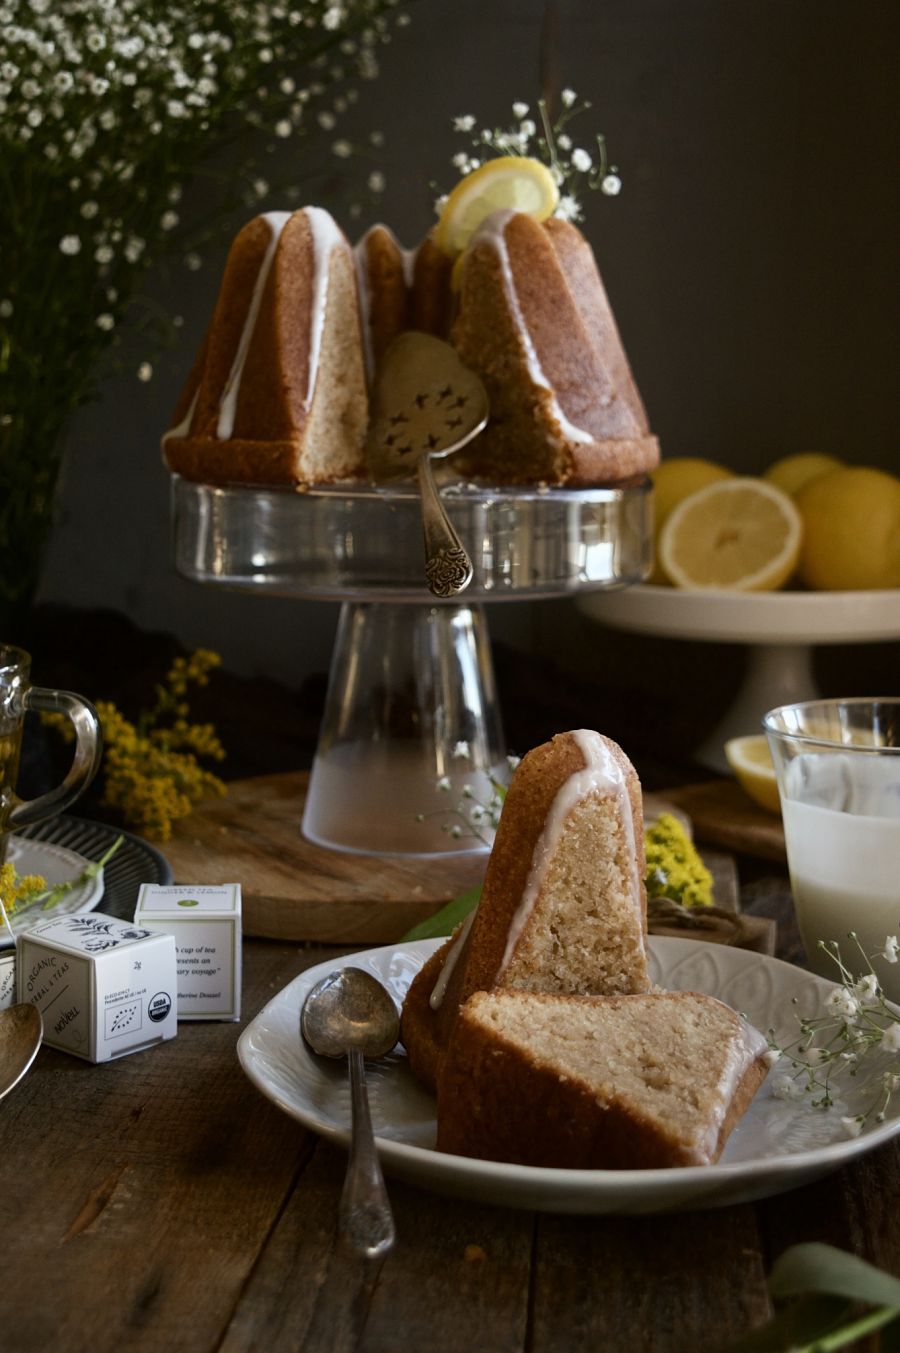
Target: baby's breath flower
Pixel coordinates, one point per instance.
(145, 372)
(853, 1126)
(376, 182)
(342, 149)
(568, 97)
(464, 123)
(889, 951)
(611, 184)
(890, 1040)
(519, 110)
(105, 321)
(70, 244)
(581, 160)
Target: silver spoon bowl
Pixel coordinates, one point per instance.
(350, 1014)
(21, 1031)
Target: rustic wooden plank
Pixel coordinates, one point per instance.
(675, 1284)
(152, 1184)
(457, 1277)
(723, 815)
(295, 890)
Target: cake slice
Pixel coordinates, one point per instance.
(277, 394)
(630, 1082)
(563, 907)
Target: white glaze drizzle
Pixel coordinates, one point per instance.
(743, 1050)
(493, 231)
(183, 428)
(326, 237)
(601, 771)
(436, 998)
(276, 221)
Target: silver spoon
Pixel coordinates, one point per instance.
(350, 1014)
(426, 406)
(21, 1031)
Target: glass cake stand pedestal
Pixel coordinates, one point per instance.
(779, 628)
(411, 726)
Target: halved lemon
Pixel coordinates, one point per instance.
(751, 761)
(739, 533)
(515, 182)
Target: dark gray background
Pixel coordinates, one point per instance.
(749, 260)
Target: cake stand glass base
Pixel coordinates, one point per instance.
(411, 737)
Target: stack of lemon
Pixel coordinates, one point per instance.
(809, 519)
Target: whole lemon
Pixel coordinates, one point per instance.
(673, 481)
(851, 530)
(792, 472)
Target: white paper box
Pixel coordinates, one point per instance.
(7, 978)
(103, 986)
(206, 922)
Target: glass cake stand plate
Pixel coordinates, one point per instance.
(780, 629)
(778, 1144)
(411, 702)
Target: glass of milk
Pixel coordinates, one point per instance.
(838, 768)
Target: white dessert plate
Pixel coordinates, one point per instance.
(778, 1145)
(56, 865)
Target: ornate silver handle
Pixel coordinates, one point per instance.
(364, 1216)
(448, 568)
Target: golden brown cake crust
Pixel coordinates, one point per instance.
(385, 301)
(535, 784)
(496, 1104)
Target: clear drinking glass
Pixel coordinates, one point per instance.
(838, 769)
(16, 696)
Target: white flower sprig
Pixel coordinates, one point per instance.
(475, 815)
(856, 1023)
(575, 167)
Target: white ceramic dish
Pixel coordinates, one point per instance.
(56, 865)
(750, 617)
(778, 1145)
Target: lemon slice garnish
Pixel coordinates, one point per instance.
(751, 761)
(739, 533)
(514, 182)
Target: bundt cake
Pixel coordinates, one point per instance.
(628, 1082)
(563, 907)
(277, 394)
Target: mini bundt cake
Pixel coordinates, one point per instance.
(580, 1082)
(277, 394)
(563, 907)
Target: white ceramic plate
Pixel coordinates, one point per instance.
(56, 865)
(749, 617)
(778, 1145)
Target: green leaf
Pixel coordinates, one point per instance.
(797, 1327)
(822, 1268)
(447, 919)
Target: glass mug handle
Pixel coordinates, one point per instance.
(85, 763)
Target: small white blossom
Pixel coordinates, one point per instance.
(564, 142)
(784, 1087)
(70, 244)
(333, 17)
(889, 951)
(528, 128)
(105, 322)
(376, 182)
(342, 149)
(283, 128)
(464, 123)
(581, 160)
(520, 110)
(193, 262)
(772, 1056)
(611, 184)
(443, 784)
(326, 119)
(568, 97)
(168, 220)
(842, 1002)
(852, 1126)
(145, 372)
(890, 1039)
(866, 989)
(104, 254)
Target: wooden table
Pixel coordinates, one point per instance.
(160, 1203)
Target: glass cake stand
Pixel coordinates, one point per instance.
(411, 726)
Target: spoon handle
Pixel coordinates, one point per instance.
(365, 1217)
(448, 569)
